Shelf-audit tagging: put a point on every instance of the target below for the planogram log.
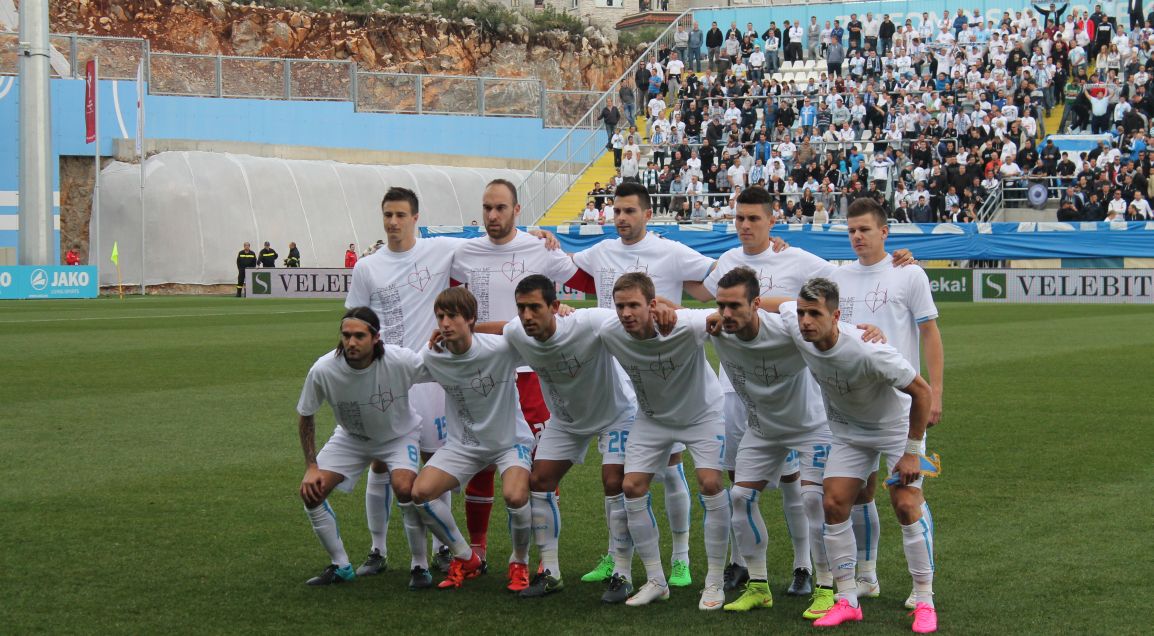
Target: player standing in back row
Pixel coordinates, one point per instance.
(899, 302)
(491, 266)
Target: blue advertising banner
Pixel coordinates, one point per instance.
(950, 241)
(47, 281)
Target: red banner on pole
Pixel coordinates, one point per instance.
(90, 101)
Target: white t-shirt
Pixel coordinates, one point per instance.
(481, 403)
(780, 274)
(370, 403)
(674, 383)
(782, 401)
(492, 271)
(584, 387)
(859, 383)
(401, 287)
(895, 299)
(669, 263)
(674, 67)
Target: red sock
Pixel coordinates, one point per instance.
(478, 507)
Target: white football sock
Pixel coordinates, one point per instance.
(447, 499)
(811, 496)
(866, 530)
(735, 556)
(751, 538)
(842, 551)
(609, 523)
(619, 533)
(415, 533)
(378, 506)
(546, 529)
(717, 513)
(677, 510)
(521, 532)
(439, 520)
(324, 522)
(643, 529)
(918, 541)
(796, 523)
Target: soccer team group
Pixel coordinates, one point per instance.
(457, 362)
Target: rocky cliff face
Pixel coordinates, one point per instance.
(378, 42)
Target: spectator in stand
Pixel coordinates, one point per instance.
(590, 214)
(72, 257)
(696, 39)
(351, 256)
(610, 116)
(713, 41)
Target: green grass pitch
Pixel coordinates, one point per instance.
(150, 466)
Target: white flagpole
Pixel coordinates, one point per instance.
(140, 153)
(94, 248)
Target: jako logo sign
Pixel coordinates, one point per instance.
(993, 286)
(262, 283)
(39, 280)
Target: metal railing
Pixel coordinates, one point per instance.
(226, 76)
(585, 142)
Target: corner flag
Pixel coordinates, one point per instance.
(115, 254)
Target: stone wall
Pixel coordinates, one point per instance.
(409, 43)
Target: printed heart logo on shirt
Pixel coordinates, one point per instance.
(835, 383)
(877, 298)
(482, 384)
(381, 400)
(569, 365)
(419, 278)
(662, 367)
(767, 372)
(513, 269)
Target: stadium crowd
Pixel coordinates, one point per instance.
(927, 116)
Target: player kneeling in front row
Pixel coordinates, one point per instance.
(678, 400)
(783, 411)
(367, 384)
(876, 404)
(588, 395)
(479, 375)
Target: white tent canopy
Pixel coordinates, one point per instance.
(200, 207)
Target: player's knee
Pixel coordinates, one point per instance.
(419, 493)
(710, 485)
(516, 499)
(612, 484)
(634, 487)
(907, 505)
(542, 483)
(403, 485)
(836, 508)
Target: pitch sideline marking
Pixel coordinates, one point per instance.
(267, 313)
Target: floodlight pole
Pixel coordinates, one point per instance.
(36, 227)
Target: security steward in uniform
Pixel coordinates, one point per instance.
(268, 256)
(245, 259)
(294, 257)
